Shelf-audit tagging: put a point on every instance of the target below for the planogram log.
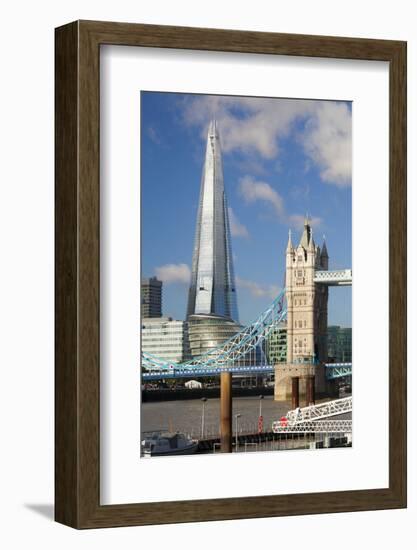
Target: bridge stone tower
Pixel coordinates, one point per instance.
(306, 316)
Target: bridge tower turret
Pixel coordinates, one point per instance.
(306, 314)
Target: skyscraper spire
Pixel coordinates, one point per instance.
(212, 288)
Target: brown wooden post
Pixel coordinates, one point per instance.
(310, 390)
(295, 394)
(226, 412)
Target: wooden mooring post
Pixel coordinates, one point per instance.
(295, 393)
(226, 412)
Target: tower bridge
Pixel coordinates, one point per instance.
(217, 343)
(301, 308)
(308, 279)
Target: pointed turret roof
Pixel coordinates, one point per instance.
(289, 245)
(307, 236)
(311, 244)
(324, 253)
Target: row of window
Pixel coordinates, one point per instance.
(166, 341)
(175, 330)
(153, 331)
(163, 352)
(300, 324)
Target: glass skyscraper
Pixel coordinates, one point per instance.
(212, 289)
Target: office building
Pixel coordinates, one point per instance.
(165, 338)
(151, 298)
(276, 345)
(339, 344)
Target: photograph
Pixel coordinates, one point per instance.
(246, 274)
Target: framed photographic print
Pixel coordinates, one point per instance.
(230, 274)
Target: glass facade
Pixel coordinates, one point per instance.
(165, 338)
(206, 332)
(212, 289)
(339, 344)
(276, 345)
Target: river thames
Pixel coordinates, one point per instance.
(187, 415)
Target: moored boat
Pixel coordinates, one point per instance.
(167, 444)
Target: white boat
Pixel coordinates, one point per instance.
(167, 444)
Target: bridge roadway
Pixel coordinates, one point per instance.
(334, 370)
(340, 277)
(201, 372)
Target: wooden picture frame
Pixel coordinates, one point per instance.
(77, 404)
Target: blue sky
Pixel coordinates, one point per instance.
(281, 159)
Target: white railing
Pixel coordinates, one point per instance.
(315, 427)
(318, 412)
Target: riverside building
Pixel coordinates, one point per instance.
(339, 344)
(151, 297)
(276, 344)
(165, 338)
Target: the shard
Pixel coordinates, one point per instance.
(212, 289)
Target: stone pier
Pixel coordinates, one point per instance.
(284, 374)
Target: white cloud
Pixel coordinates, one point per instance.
(264, 121)
(153, 134)
(237, 229)
(173, 273)
(255, 127)
(257, 290)
(253, 191)
(327, 141)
